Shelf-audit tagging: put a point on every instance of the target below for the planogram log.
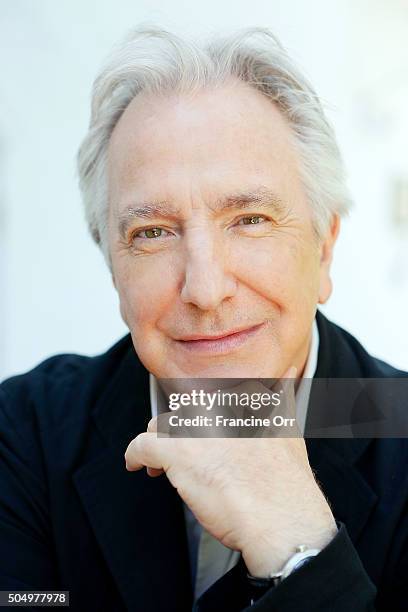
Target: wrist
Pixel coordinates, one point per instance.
(265, 556)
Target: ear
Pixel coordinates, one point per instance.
(326, 256)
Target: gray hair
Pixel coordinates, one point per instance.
(155, 61)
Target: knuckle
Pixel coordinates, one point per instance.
(152, 424)
(142, 441)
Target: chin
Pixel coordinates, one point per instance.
(227, 370)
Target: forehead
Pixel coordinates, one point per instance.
(227, 138)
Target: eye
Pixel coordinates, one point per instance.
(252, 220)
(149, 239)
(151, 232)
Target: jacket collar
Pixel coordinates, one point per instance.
(337, 360)
(139, 522)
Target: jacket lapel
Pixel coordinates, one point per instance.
(350, 497)
(335, 460)
(138, 521)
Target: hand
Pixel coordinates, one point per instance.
(255, 495)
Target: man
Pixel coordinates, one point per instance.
(213, 184)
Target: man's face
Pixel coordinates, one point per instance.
(214, 256)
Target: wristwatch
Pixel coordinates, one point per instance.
(301, 556)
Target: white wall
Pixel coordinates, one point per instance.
(55, 293)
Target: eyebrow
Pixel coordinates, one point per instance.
(262, 197)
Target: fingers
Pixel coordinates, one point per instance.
(152, 428)
(288, 380)
(290, 372)
(153, 472)
(152, 425)
(143, 451)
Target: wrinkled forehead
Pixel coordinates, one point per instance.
(226, 140)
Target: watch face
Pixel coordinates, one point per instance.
(302, 562)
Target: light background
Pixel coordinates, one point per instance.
(56, 295)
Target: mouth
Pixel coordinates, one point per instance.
(220, 343)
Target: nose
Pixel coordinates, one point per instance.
(207, 281)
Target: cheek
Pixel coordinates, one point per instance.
(146, 290)
(284, 271)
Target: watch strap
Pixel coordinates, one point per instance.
(301, 556)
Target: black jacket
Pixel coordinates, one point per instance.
(72, 518)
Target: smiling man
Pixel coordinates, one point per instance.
(213, 184)
(211, 237)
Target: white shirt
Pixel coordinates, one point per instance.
(209, 559)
